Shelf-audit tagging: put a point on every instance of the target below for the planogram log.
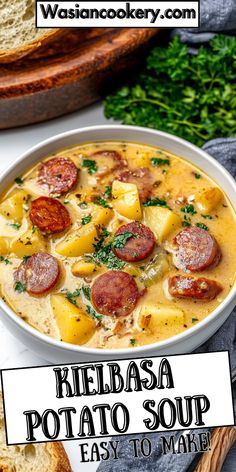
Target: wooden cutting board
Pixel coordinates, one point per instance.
(72, 73)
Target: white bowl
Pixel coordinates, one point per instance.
(59, 352)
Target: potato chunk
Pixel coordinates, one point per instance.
(78, 242)
(161, 221)
(155, 315)
(82, 268)
(4, 246)
(208, 200)
(28, 243)
(12, 207)
(102, 216)
(126, 200)
(75, 326)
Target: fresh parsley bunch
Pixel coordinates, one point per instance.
(192, 96)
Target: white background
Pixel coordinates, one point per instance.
(196, 374)
(12, 352)
(120, 23)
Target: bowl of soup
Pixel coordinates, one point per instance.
(116, 241)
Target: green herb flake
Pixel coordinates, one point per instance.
(71, 296)
(15, 225)
(132, 342)
(120, 240)
(93, 313)
(86, 219)
(207, 217)
(158, 162)
(202, 226)
(186, 224)
(156, 202)
(197, 176)
(194, 320)
(25, 258)
(108, 191)
(87, 292)
(102, 202)
(5, 260)
(90, 165)
(33, 229)
(19, 181)
(66, 202)
(19, 287)
(189, 209)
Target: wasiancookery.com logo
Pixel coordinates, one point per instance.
(120, 14)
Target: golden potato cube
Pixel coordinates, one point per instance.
(28, 243)
(208, 200)
(126, 200)
(102, 216)
(12, 207)
(78, 242)
(4, 246)
(161, 221)
(82, 268)
(160, 314)
(75, 326)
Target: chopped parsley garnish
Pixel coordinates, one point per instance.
(15, 225)
(156, 202)
(86, 219)
(104, 254)
(132, 342)
(120, 240)
(93, 313)
(90, 165)
(33, 229)
(3, 259)
(19, 287)
(189, 209)
(82, 205)
(207, 217)
(158, 162)
(197, 176)
(108, 191)
(19, 181)
(194, 320)
(71, 296)
(102, 202)
(202, 226)
(66, 202)
(87, 292)
(25, 258)
(187, 222)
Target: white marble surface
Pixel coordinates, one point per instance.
(12, 352)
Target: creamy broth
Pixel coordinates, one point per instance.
(177, 183)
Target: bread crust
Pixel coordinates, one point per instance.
(15, 54)
(60, 461)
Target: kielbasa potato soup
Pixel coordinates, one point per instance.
(115, 245)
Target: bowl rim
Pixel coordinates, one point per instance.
(159, 345)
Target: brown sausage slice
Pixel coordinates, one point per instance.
(197, 250)
(190, 287)
(108, 161)
(39, 273)
(137, 247)
(59, 175)
(49, 215)
(142, 178)
(115, 293)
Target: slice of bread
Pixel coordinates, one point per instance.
(18, 35)
(48, 457)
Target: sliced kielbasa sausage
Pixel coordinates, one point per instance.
(189, 287)
(39, 273)
(49, 215)
(59, 175)
(115, 293)
(138, 246)
(197, 250)
(108, 161)
(142, 178)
